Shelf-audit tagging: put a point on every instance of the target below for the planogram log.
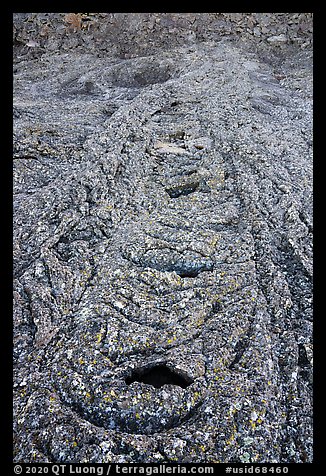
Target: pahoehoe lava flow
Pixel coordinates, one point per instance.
(162, 238)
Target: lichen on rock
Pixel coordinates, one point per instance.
(163, 241)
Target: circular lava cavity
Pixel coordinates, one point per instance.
(158, 376)
(149, 399)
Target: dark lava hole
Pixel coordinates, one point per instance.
(181, 190)
(192, 273)
(158, 376)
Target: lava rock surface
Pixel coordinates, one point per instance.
(163, 255)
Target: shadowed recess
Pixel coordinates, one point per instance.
(157, 376)
(192, 270)
(181, 190)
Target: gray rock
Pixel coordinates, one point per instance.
(277, 40)
(163, 254)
